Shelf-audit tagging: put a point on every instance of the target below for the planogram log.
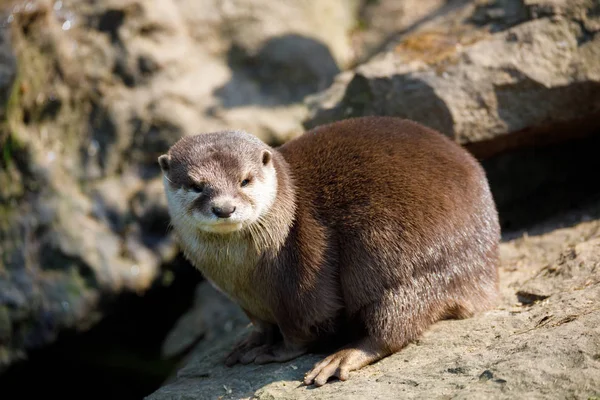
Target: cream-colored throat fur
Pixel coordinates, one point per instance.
(227, 260)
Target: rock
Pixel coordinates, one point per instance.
(549, 347)
(528, 81)
(105, 87)
(8, 68)
(62, 264)
(215, 65)
(382, 21)
(212, 316)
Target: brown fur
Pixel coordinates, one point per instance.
(379, 228)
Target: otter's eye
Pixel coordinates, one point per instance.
(245, 182)
(197, 187)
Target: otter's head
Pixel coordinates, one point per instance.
(219, 182)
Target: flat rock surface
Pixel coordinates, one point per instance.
(542, 341)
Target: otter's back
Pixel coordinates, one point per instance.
(377, 168)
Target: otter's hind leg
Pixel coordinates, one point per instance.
(388, 324)
(389, 302)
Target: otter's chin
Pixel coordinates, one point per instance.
(221, 227)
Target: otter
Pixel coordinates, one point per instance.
(360, 233)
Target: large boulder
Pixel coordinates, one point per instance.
(103, 88)
(511, 70)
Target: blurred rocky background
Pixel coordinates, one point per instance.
(93, 289)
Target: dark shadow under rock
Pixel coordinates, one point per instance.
(535, 183)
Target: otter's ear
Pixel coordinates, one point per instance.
(164, 162)
(266, 157)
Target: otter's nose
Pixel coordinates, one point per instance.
(223, 211)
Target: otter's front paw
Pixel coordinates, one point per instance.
(248, 345)
(251, 350)
(279, 352)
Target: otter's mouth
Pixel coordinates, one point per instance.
(221, 227)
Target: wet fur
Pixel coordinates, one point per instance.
(379, 227)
